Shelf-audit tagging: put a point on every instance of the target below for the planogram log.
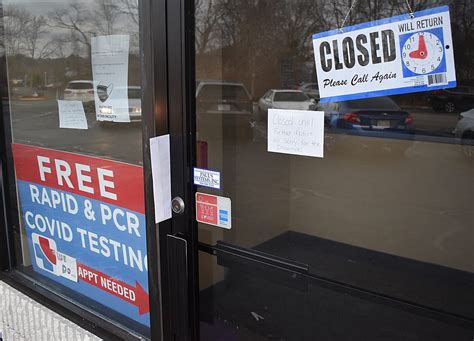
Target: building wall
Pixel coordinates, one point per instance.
(22, 318)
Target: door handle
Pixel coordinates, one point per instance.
(177, 251)
(259, 264)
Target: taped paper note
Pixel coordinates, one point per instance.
(161, 173)
(110, 73)
(72, 115)
(298, 132)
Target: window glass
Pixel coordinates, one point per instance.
(75, 108)
(292, 96)
(223, 91)
(134, 92)
(78, 85)
(386, 210)
(373, 103)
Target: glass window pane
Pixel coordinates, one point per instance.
(75, 105)
(388, 208)
(290, 96)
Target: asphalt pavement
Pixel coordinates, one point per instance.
(36, 122)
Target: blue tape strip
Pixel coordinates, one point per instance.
(389, 92)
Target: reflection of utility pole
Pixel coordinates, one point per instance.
(45, 82)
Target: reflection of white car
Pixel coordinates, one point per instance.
(284, 99)
(311, 89)
(134, 106)
(80, 90)
(135, 103)
(465, 127)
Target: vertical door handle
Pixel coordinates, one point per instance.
(178, 286)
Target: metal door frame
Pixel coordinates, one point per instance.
(181, 246)
(154, 35)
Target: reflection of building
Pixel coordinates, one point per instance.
(294, 73)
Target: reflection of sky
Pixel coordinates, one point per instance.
(122, 25)
(44, 3)
(41, 7)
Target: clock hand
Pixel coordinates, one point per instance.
(422, 52)
(422, 45)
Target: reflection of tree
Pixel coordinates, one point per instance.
(255, 37)
(56, 48)
(24, 32)
(462, 16)
(76, 20)
(2, 32)
(108, 11)
(130, 9)
(32, 32)
(248, 40)
(207, 17)
(367, 10)
(102, 18)
(15, 20)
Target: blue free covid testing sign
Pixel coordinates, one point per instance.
(396, 55)
(85, 224)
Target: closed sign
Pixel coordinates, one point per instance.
(390, 56)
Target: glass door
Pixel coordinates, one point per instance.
(372, 241)
(78, 110)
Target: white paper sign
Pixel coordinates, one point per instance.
(109, 57)
(72, 115)
(207, 178)
(298, 132)
(161, 174)
(66, 266)
(390, 56)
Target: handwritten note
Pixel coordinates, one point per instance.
(72, 115)
(297, 132)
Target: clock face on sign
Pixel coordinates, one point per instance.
(423, 52)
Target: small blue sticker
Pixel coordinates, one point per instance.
(223, 215)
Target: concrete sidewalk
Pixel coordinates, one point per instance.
(22, 318)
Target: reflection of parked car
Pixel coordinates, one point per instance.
(379, 113)
(311, 89)
(450, 100)
(223, 105)
(79, 90)
(465, 127)
(284, 99)
(222, 98)
(134, 106)
(135, 103)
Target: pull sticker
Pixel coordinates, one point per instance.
(213, 210)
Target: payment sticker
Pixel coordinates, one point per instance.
(213, 210)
